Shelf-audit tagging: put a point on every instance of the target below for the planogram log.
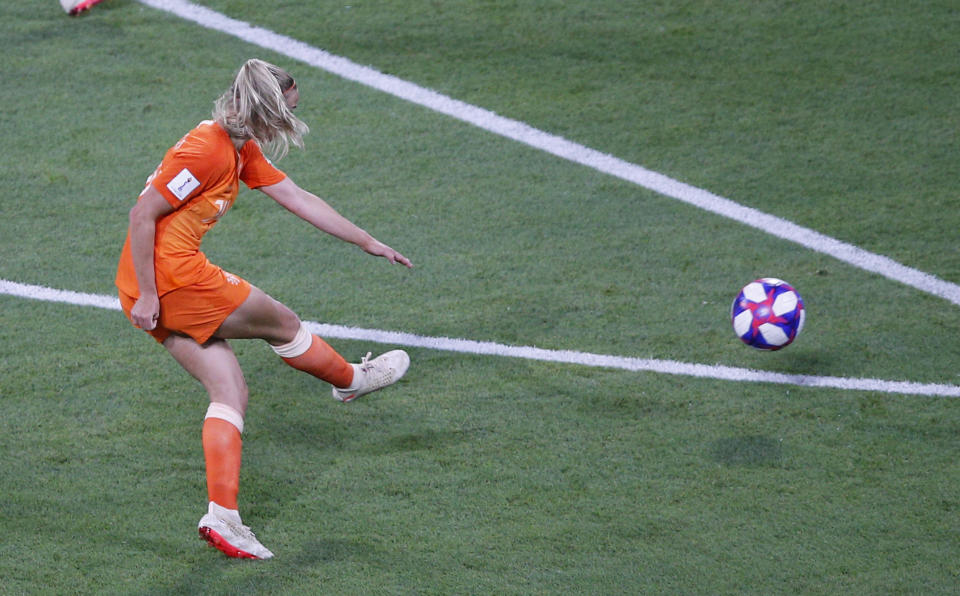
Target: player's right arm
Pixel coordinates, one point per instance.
(143, 229)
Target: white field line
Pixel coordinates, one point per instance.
(561, 147)
(466, 346)
(578, 154)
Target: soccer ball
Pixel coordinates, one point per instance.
(767, 314)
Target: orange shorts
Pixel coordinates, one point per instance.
(196, 310)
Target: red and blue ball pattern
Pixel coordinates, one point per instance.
(768, 314)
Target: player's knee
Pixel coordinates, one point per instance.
(235, 393)
(289, 320)
(287, 325)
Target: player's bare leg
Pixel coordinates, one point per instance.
(260, 316)
(215, 365)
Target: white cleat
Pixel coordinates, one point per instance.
(75, 7)
(222, 528)
(371, 375)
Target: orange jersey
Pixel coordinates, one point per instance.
(199, 177)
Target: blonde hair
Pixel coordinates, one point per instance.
(253, 108)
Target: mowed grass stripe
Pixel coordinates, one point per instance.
(485, 348)
(562, 148)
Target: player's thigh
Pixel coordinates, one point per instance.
(213, 364)
(260, 316)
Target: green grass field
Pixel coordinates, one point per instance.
(482, 474)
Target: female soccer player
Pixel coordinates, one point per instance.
(168, 288)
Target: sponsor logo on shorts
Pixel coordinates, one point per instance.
(231, 278)
(183, 184)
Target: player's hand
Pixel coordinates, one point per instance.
(379, 249)
(146, 312)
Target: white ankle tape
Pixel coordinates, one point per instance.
(225, 412)
(300, 344)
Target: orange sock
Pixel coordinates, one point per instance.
(323, 362)
(222, 448)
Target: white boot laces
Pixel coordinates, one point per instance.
(378, 374)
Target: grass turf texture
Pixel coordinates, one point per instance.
(481, 474)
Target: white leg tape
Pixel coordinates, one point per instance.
(225, 412)
(300, 344)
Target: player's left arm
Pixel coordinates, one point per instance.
(314, 210)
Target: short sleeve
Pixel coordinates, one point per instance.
(257, 170)
(189, 168)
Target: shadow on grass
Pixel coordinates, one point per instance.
(290, 572)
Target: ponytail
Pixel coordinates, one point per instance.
(253, 108)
